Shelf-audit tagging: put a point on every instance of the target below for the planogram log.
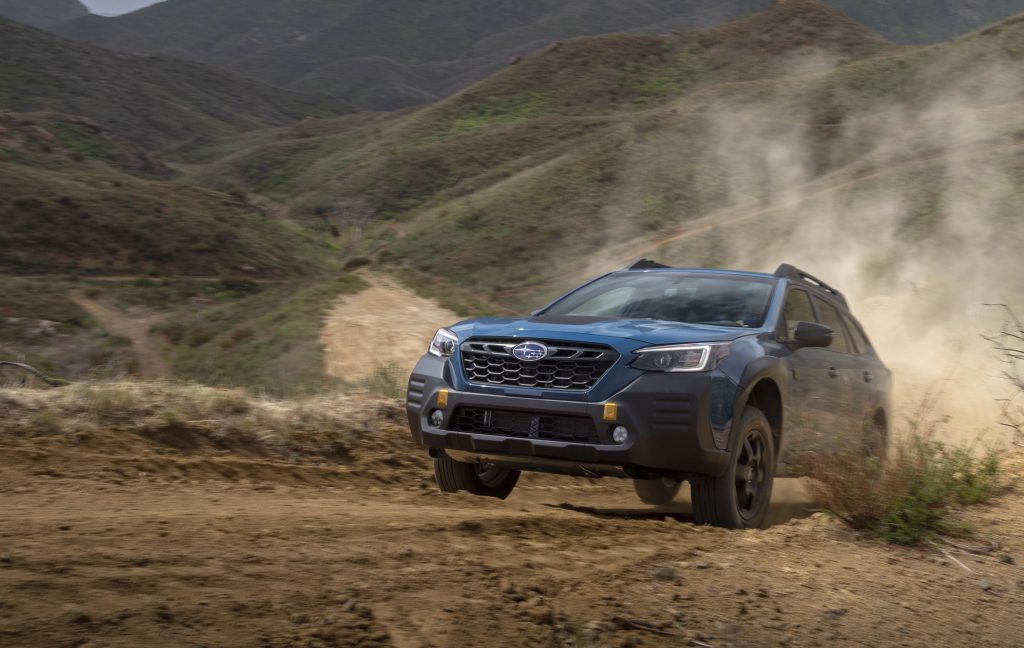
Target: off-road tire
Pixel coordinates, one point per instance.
(479, 479)
(657, 492)
(725, 501)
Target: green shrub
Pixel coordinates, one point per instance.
(913, 495)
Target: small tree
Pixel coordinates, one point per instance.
(349, 216)
(1010, 345)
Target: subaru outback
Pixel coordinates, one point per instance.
(720, 378)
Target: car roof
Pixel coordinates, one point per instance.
(705, 271)
(646, 265)
(792, 274)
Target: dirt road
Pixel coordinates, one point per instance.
(122, 536)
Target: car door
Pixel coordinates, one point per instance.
(810, 398)
(871, 377)
(844, 371)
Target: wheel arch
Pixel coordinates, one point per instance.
(880, 420)
(766, 396)
(763, 387)
(880, 417)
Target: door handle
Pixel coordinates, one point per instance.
(833, 372)
(867, 376)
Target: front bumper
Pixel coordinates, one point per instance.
(668, 415)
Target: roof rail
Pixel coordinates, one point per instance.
(647, 264)
(787, 271)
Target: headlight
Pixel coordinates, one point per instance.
(443, 344)
(681, 357)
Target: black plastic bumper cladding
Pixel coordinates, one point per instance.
(667, 415)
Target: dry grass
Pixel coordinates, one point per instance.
(913, 494)
(183, 418)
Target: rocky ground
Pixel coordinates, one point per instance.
(147, 529)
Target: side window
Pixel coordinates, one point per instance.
(859, 339)
(831, 317)
(796, 309)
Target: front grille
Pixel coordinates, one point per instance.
(568, 365)
(526, 425)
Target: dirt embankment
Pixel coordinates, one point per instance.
(162, 516)
(385, 322)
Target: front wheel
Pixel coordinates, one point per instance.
(659, 492)
(483, 479)
(739, 499)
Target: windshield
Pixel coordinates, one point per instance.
(672, 296)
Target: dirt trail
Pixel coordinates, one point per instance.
(145, 346)
(148, 545)
(384, 326)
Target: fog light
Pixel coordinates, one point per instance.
(620, 434)
(437, 418)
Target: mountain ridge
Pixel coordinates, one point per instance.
(440, 45)
(432, 49)
(42, 13)
(150, 101)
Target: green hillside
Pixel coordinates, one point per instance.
(151, 102)
(86, 194)
(599, 150)
(83, 213)
(75, 199)
(385, 55)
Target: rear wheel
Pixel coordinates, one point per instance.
(483, 479)
(739, 499)
(876, 438)
(658, 492)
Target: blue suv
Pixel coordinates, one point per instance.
(660, 375)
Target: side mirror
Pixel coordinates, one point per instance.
(809, 334)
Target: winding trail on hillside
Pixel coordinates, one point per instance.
(145, 346)
(384, 327)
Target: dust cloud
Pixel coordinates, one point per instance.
(912, 211)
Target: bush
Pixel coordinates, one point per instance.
(387, 381)
(912, 496)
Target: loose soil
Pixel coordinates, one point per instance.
(387, 318)
(169, 534)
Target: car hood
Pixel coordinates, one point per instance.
(586, 328)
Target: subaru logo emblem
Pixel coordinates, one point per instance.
(530, 351)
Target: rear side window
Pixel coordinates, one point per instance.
(797, 309)
(859, 339)
(832, 318)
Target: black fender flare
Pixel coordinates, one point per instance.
(764, 368)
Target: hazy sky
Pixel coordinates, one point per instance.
(116, 7)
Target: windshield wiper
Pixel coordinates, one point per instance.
(723, 323)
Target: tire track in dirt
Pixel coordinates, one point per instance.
(145, 346)
(383, 327)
